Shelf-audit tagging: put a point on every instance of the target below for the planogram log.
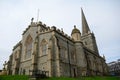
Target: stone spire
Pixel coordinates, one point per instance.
(85, 27)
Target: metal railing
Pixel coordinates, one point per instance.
(38, 73)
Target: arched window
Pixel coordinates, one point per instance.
(73, 56)
(62, 52)
(44, 47)
(28, 46)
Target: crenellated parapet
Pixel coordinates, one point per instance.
(25, 30)
(18, 44)
(47, 29)
(54, 28)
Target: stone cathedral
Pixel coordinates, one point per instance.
(50, 49)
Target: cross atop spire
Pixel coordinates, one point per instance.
(85, 27)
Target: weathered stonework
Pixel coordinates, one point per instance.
(50, 49)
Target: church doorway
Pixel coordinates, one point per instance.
(74, 72)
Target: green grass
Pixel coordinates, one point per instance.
(84, 78)
(23, 77)
(14, 77)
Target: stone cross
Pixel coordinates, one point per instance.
(32, 19)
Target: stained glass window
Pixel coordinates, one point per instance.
(28, 47)
(44, 47)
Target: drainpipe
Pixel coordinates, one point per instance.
(69, 58)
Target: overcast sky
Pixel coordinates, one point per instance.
(103, 17)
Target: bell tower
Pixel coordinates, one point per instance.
(87, 37)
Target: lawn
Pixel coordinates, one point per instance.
(85, 78)
(22, 77)
(14, 77)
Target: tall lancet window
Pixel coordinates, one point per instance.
(44, 47)
(28, 45)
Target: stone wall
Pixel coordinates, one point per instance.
(64, 56)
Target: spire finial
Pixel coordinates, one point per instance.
(85, 27)
(74, 26)
(32, 20)
(38, 15)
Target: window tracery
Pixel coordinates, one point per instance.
(28, 46)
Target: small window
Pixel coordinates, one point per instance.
(73, 56)
(63, 53)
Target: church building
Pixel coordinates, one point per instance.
(50, 49)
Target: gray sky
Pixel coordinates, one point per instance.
(103, 17)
